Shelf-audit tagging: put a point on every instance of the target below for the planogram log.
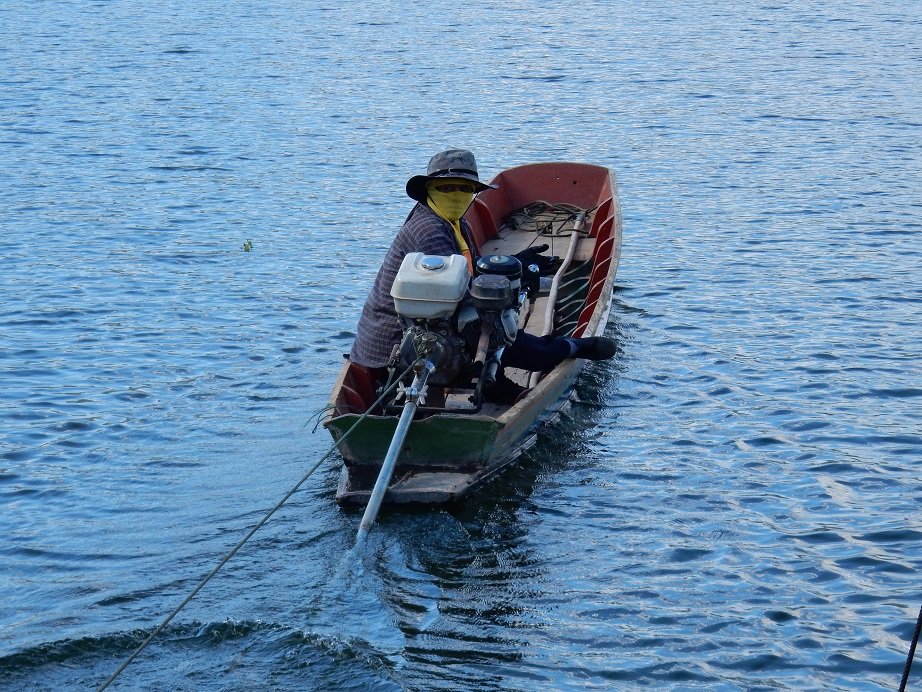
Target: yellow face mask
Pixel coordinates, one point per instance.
(450, 197)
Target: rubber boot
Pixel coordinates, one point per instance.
(595, 348)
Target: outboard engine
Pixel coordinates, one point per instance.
(459, 337)
(426, 293)
(496, 293)
(494, 297)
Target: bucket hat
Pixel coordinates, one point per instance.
(453, 163)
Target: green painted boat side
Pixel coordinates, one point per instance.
(465, 460)
(440, 441)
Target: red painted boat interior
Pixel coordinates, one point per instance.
(579, 184)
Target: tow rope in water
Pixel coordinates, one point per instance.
(249, 535)
(912, 652)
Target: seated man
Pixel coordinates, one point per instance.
(435, 227)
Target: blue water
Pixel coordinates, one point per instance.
(735, 503)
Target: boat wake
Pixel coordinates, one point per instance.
(187, 655)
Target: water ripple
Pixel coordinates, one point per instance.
(731, 504)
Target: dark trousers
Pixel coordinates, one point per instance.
(540, 353)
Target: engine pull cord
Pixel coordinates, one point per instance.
(247, 537)
(912, 652)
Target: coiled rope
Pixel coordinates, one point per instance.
(539, 217)
(249, 535)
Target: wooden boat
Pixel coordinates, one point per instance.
(449, 447)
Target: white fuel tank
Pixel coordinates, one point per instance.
(428, 286)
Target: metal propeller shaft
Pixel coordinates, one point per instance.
(413, 393)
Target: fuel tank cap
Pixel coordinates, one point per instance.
(432, 263)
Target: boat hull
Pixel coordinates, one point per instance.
(445, 457)
(447, 454)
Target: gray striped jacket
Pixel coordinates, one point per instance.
(379, 329)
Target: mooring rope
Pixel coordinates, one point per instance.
(912, 652)
(249, 535)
